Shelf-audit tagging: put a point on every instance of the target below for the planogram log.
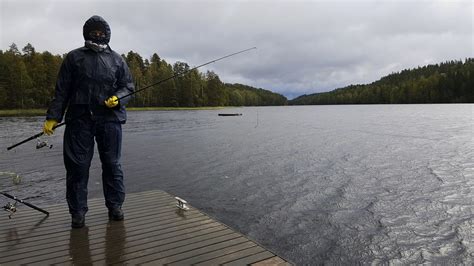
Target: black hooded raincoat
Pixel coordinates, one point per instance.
(87, 78)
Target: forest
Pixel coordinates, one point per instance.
(27, 80)
(448, 82)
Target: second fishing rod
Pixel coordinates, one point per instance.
(36, 136)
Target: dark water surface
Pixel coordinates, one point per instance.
(316, 184)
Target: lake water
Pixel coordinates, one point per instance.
(315, 184)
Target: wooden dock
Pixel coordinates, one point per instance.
(154, 232)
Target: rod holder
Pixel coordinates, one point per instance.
(181, 204)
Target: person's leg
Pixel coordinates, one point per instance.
(78, 151)
(109, 143)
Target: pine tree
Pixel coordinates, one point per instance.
(215, 92)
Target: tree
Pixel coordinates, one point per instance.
(235, 98)
(137, 67)
(20, 84)
(215, 91)
(183, 84)
(168, 88)
(29, 50)
(14, 50)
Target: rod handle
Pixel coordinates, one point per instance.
(26, 140)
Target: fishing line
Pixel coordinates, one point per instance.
(257, 120)
(136, 91)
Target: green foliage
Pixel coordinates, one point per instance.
(248, 96)
(27, 81)
(28, 78)
(449, 82)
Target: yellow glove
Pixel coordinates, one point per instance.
(48, 127)
(112, 101)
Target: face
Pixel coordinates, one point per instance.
(95, 34)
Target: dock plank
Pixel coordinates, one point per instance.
(194, 250)
(229, 257)
(252, 259)
(154, 232)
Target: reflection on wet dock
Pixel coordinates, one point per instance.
(154, 232)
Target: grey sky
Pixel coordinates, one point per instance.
(303, 46)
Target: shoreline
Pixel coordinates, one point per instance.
(42, 112)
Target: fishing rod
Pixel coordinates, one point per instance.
(44, 144)
(186, 71)
(11, 208)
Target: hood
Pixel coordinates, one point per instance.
(96, 23)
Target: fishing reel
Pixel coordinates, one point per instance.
(10, 208)
(41, 144)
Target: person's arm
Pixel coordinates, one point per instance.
(125, 84)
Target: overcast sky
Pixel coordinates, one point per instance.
(303, 47)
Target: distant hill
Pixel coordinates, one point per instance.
(449, 82)
(239, 94)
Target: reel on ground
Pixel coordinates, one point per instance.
(10, 208)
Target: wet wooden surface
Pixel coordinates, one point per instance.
(154, 232)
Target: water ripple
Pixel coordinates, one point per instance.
(317, 184)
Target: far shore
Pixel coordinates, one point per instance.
(42, 112)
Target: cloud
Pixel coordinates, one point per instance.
(303, 46)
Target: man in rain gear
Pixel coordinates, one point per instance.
(90, 85)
